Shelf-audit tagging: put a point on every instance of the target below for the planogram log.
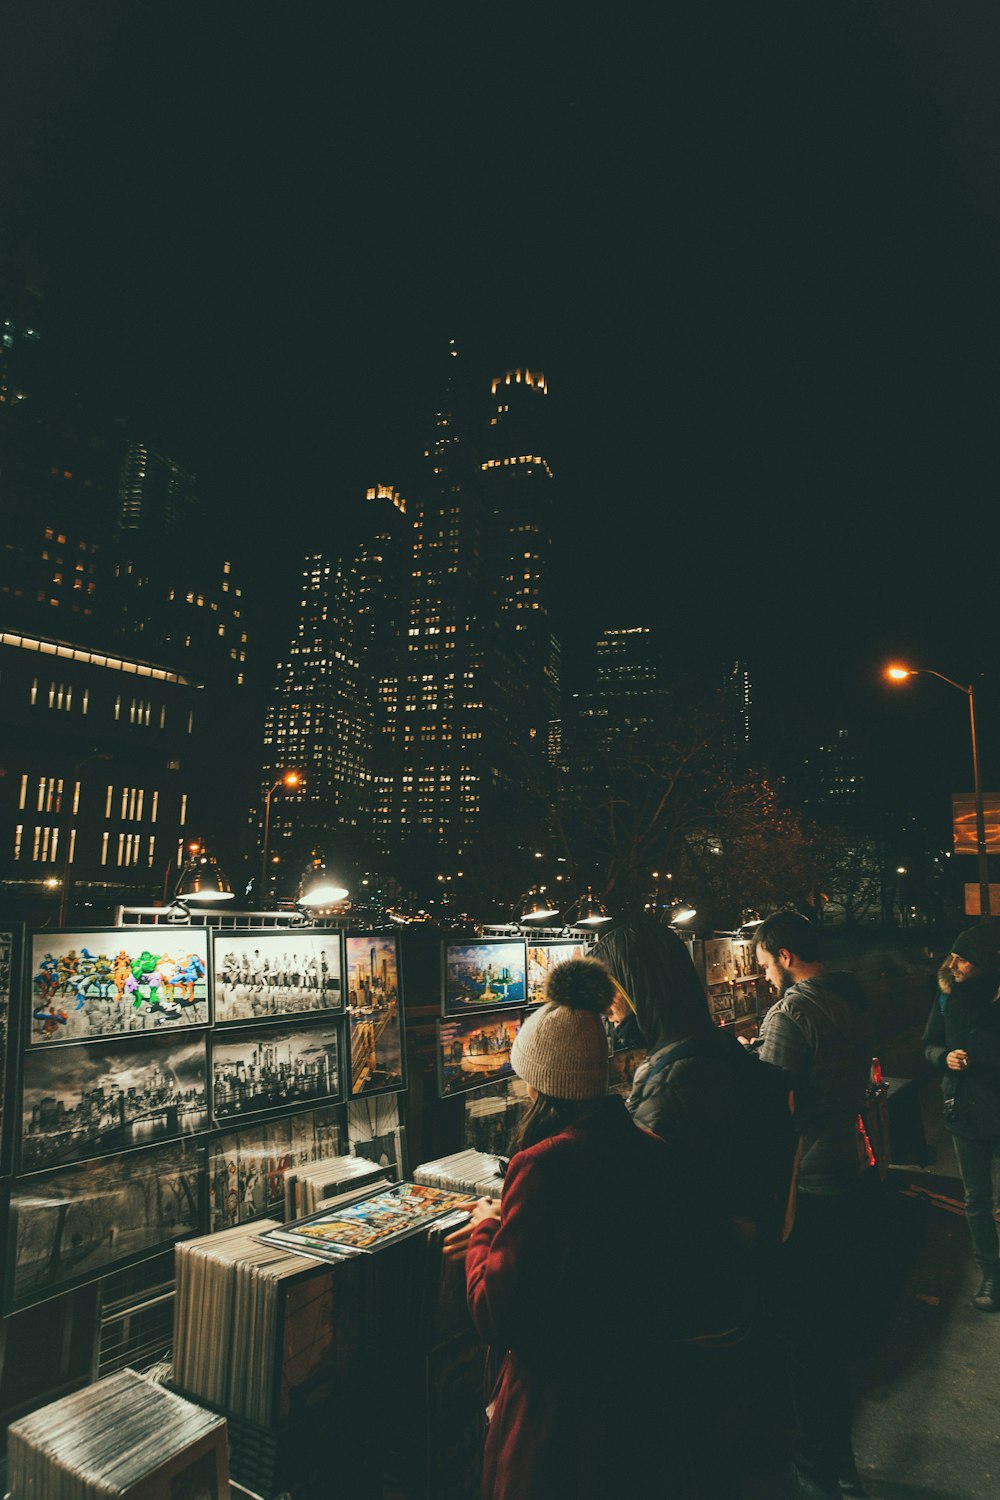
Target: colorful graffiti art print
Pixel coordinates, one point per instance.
(94, 1098)
(542, 959)
(373, 1011)
(86, 985)
(255, 1070)
(265, 974)
(484, 975)
(474, 1050)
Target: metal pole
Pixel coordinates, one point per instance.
(267, 824)
(984, 869)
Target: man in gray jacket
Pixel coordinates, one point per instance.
(818, 1031)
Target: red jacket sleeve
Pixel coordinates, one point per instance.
(509, 1261)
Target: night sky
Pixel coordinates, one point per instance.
(753, 248)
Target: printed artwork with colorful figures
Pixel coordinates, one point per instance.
(92, 984)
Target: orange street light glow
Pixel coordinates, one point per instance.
(291, 778)
(898, 674)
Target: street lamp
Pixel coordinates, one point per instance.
(289, 779)
(898, 673)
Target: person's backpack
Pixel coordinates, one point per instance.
(770, 1140)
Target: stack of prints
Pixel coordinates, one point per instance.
(307, 1187)
(464, 1172)
(122, 1436)
(254, 1326)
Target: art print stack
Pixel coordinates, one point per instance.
(122, 1436)
(472, 1172)
(308, 1187)
(259, 1332)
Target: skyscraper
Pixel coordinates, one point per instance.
(455, 722)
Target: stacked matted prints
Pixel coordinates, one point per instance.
(169, 1077)
(122, 1436)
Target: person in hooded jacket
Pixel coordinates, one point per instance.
(692, 1091)
(962, 1041)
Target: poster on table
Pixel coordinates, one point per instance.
(374, 1016)
(542, 959)
(110, 981)
(247, 1168)
(474, 1050)
(266, 1068)
(72, 1225)
(484, 975)
(93, 1098)
(260, 975)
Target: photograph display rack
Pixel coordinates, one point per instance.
(162, 1079)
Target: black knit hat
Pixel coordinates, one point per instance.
(980, 945)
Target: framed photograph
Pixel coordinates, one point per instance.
(70, 1226)
(374, 1016)
(543, 957)
(97, 1097)
(266, 1068)
(387, 1216)
(247, 1168)
(474, 1050)
(484, 975)
(260, 975)
(112, 980)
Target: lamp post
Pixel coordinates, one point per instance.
(289, 779)
(898, 673)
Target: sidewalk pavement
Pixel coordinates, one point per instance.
(928, 1419)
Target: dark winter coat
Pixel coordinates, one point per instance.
(587, 1214)
(968, 1019)
(692, 1103)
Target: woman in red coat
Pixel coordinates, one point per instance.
(584, 1273)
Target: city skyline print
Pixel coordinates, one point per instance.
(254, 1070)
(484, 975)
(260, 975)
(96, 1098)
(89, 984)
(475, 1050)
(374, 1015)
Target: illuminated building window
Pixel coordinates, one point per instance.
(18, 836)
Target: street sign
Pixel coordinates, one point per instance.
(963, 812)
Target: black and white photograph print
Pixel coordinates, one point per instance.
(107, 982)
(70, 1226)
(99, 1097)
(269, 1068)
(285, 973)
(375, 1031)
